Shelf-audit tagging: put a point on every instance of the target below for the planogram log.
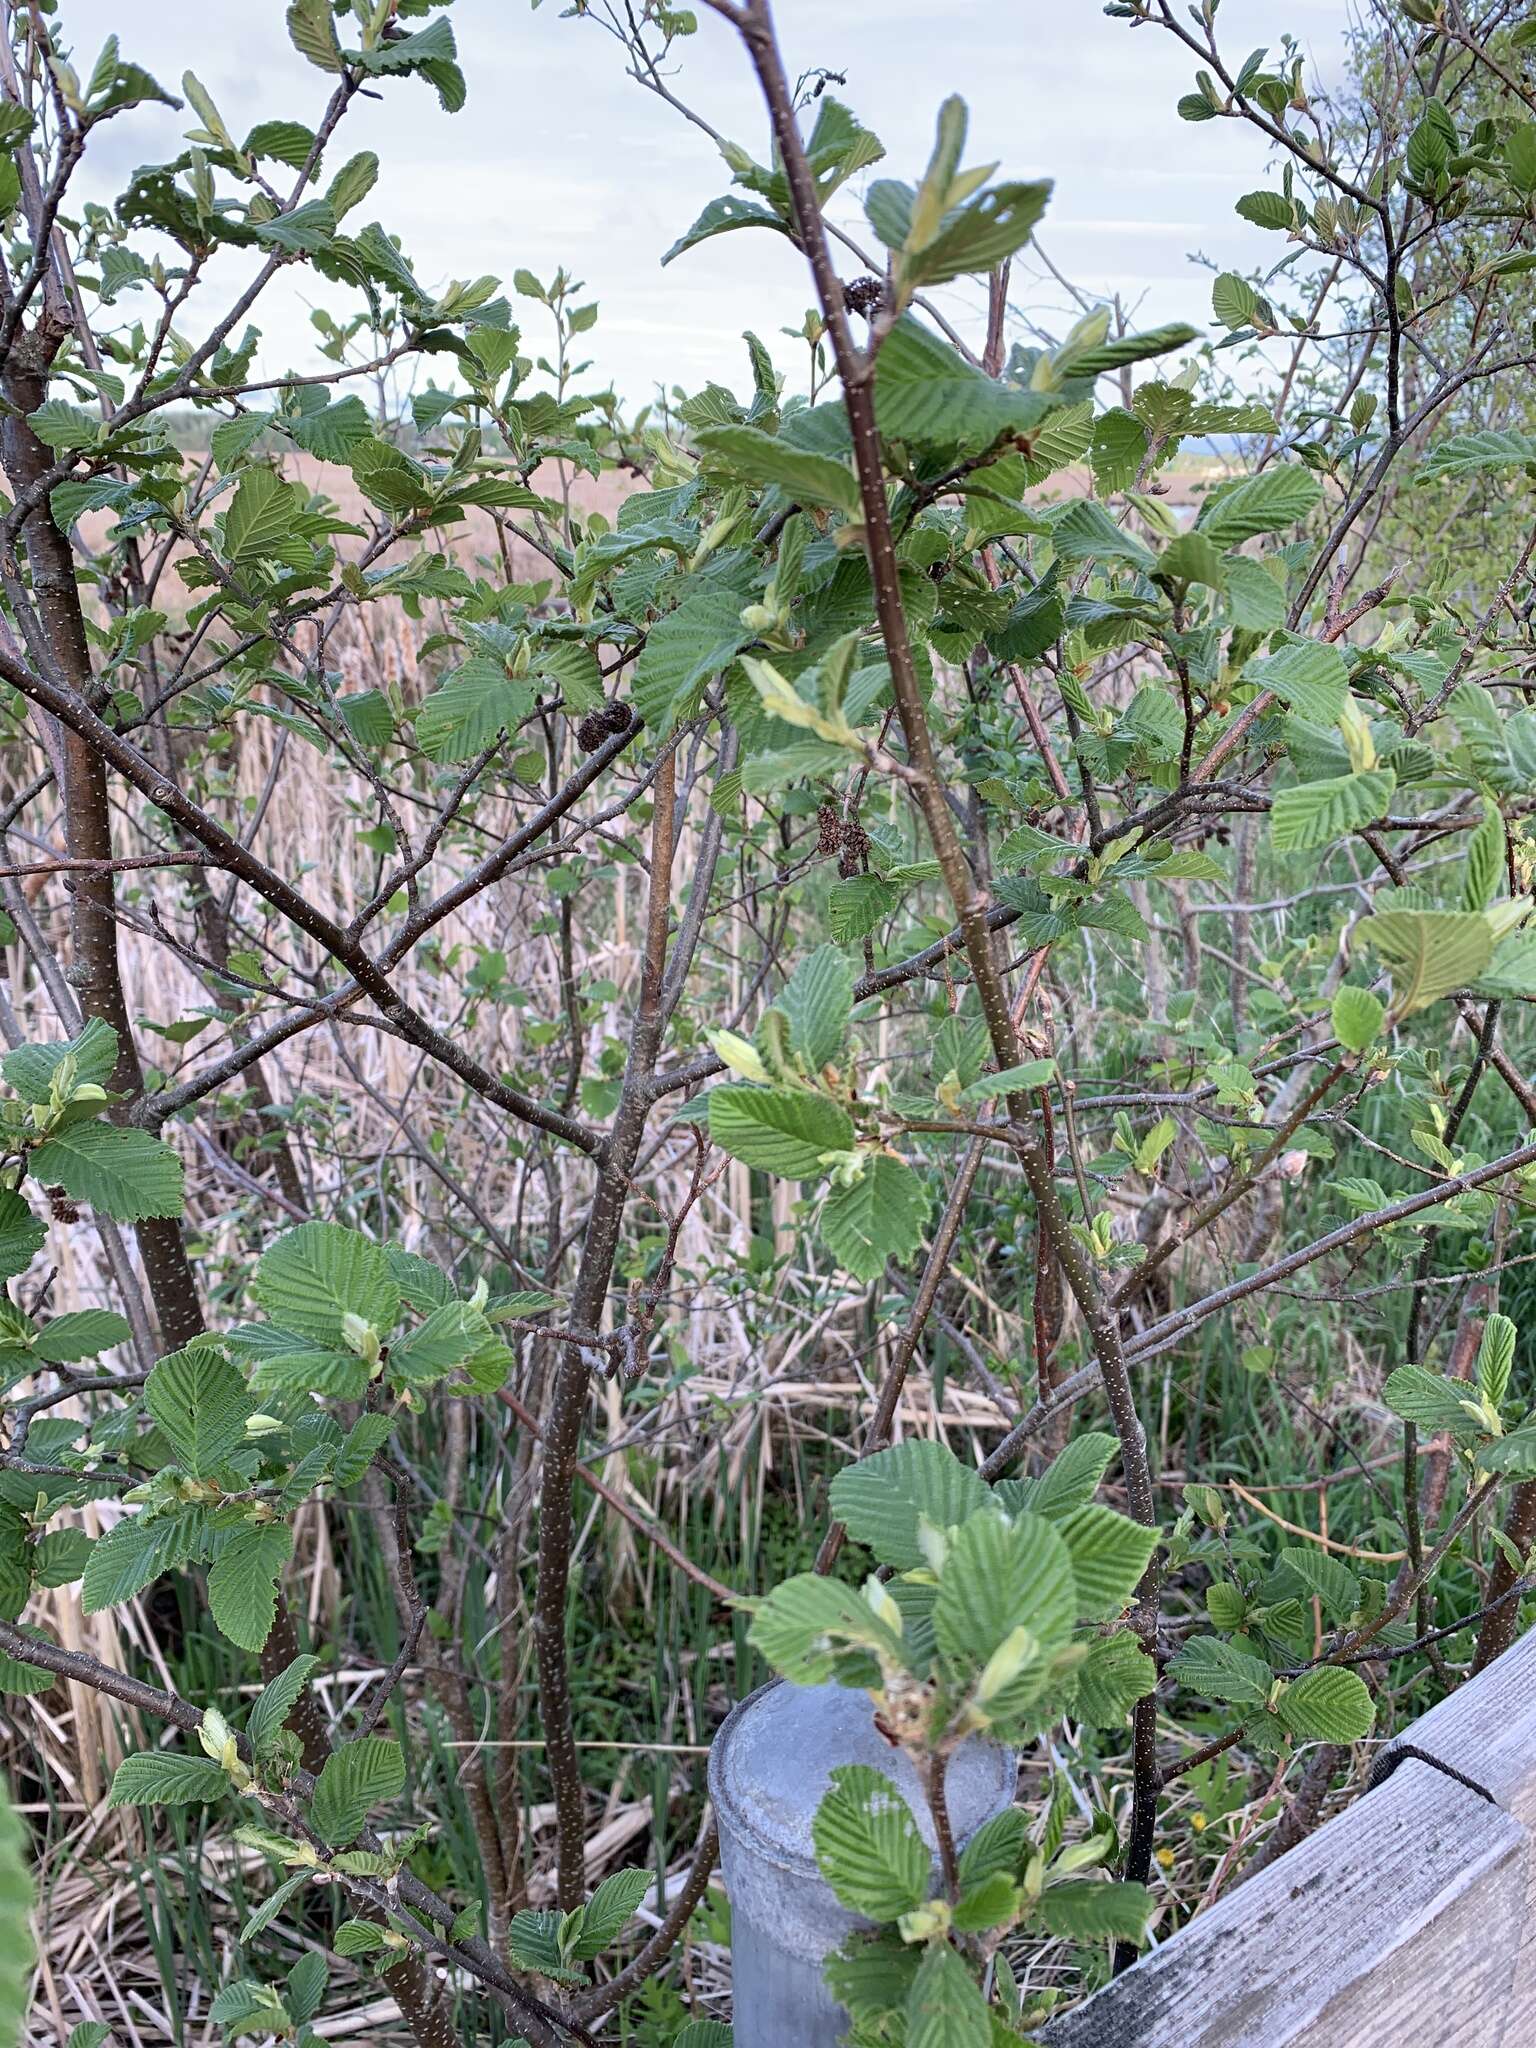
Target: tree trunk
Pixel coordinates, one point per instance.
(1499, 1628)
(94, 971)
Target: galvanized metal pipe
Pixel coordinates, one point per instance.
(769, 1768)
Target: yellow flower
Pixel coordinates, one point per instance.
(1165, 1858)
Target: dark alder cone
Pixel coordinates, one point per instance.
(864, 296)
(829, 832)
(854, 857)
(599, 725)
(64, 1210)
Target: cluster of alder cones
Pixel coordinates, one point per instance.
(607, 722)
(846, 838)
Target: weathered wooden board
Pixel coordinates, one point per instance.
(1487, 1730)
(1398, 1925)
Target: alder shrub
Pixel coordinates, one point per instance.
(1055, 911)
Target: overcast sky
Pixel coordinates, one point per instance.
(559, 157)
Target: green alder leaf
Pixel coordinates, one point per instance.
(818, 1001)
(331, 433)
(198, 1401)
(22, 1235)
(476, 702)
(1327, 1705)
(156, 1777)
(352, 183)
(993, 1903)
(857, 905)
(881, 1498)
(312, 31)
(1120, 351)
(1225, 1605)
(1071, 1479)
(925, 392)
(868, 1846)
(933, 198)
(30, 1068)
(945, 2008)
(1496, 1358)
(1266, 503)
(1192, 558)
(1113, 1676)
(388, 477)
(1313, 814)
(276, 1701)
(62, 425)
(1011, 1081)
(758, 458)
(1484, 860)
(362, 1444)
(1096, 1909)
(242, 1581)
(1476, 453)
(80, 1333)
(136, 1551)
(1267, 210)
(358, 1938)
(1431, 1401)
(288, 142)
(787, 1131)
(430, 53)
(313, 1277)
(982, 235)
(996, 1849)
(59, 1558)
(606, 551)
(1430, 953)
(1311, 676)
(232, 440)
(1234, 302)
(1357, 1018)
(534, 1939)
(337, 1375)
(269, 1909)
(261, 515)
(1514, 1454)
(446, 1338)
(682, 651)
(304, 1986)
(357, 1777)
(1334, 1584)
(704, 2034)
(17, 1676)
(1109, 1553)
(1119, 450)
(246, 2000)
(877, 1217)
(1214, 1669)
(1083, 531)
(1255, 593)
(368, 717)
(609, 1910)
(124, 1173)
(723, 215)
(998, 1577)
(571, 669)
(809, 1626)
